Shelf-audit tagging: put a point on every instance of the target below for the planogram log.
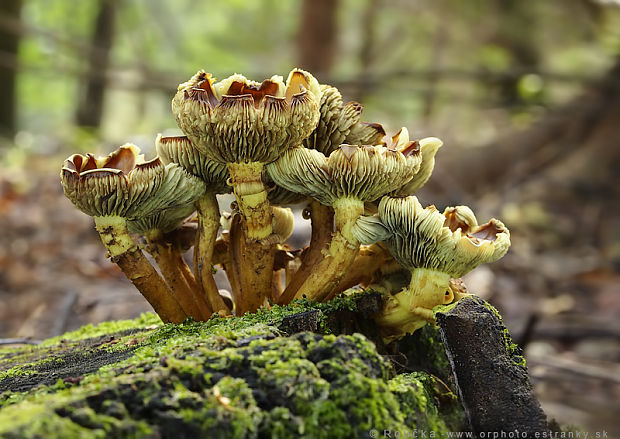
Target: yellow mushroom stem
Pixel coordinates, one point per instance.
(412, 308)
(246, 180)
(208, 225)
(343, 249)
(127, 255)
(276, 286)
(255, 254)
(173, 268)
(249, 284)
(368, 263)
(322, 219)
(231, 262)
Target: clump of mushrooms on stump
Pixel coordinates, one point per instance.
(274, 144)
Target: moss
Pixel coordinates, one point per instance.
(227, 377)
(90, 331)
(513, 349)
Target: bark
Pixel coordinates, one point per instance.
(490, 374)
(90, 109)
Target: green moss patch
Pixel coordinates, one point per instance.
(227, 377)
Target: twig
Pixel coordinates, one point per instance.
(608, 372)
(64, 312)
(5, 341)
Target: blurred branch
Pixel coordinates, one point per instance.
(516, 157)
(141, 78)
(607, 372)
(10, 341)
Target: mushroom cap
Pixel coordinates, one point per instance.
(335, 121)
(340, 123)
(237, 120)
(123, 184)
(165, 220)
(283, 224)
(460, 217)
(279, 196)
(366, 133)
(428, 148)
(420, 237)
(179, 150)
(362, 172)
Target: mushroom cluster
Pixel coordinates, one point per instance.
(274, 144)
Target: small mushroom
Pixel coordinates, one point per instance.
(428, 148)
(122, 187)
(283, 225)
(339, 123)
(435, 248)
(349, 177)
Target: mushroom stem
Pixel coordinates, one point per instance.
(368, 263)
(322, 219)
(171, 264)
(208, 225)
(247, 183)
(412, 308)
(127, 255)
(256, 254)
(256, 274)
(343, 249)
(232, 260)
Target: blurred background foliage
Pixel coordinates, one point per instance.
(525, 95)
(472, 68)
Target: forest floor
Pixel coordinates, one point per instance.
(561, 305)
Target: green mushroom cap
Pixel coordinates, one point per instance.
(339, 123)
(123, 184)
(361, 172)
(420, 237)
(179, 150)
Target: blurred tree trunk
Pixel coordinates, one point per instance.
(9, 42)
(367, 51)
(90, 108)
(317, 36)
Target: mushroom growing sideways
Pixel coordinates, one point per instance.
(434, 247)
(121, 187)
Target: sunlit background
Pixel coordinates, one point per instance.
(525, 95)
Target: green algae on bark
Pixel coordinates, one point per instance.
(227, 377)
